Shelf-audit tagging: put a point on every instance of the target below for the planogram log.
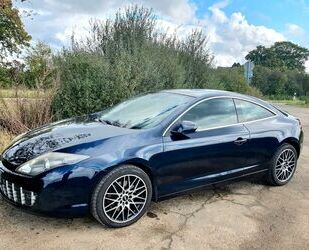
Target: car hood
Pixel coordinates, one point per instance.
(57, 136)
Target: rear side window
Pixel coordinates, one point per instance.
(212, 113)
(248, 111)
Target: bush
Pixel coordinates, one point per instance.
(125, 57)
(278, 84)
(5, 78)
(305, 99)
(85, 85)
(232, 79)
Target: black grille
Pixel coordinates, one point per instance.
(16, 193)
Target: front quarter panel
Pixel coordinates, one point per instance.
(141, 149)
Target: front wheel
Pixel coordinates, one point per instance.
(122, 197)
(283, 165)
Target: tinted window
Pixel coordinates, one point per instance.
(212, 113)
(248, 111)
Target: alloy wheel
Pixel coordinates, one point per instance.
(285, 165)
(125, 198)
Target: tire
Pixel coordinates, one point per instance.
(282, 165)
(122, 197)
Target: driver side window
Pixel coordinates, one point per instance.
(212, 113)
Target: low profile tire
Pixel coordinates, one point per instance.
(122, 197)
(282, 165)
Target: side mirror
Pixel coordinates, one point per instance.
(185, 127)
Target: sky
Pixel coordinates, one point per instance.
(233, 27)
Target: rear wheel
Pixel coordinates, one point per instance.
(283, 165)
(122, 197)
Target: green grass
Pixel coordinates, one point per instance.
(296, 102)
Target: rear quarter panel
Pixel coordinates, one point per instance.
(267, 135)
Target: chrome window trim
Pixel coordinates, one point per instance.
(217, 97)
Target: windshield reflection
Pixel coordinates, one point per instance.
(145, 111)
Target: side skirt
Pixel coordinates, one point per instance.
(164, 197)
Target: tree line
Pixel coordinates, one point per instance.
(280, 69)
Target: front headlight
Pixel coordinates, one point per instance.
(48, 161)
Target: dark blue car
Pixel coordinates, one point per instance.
(154, 146)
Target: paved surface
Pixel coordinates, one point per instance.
(243, 215)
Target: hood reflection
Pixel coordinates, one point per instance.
(57, 136)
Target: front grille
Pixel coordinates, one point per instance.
(16, 193)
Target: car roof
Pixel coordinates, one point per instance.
(208, 93)
(203, 93)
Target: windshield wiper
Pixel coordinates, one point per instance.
(105, 121)
(113, 123)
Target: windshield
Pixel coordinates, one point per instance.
(145, 111)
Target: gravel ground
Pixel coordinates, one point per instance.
(242, 215)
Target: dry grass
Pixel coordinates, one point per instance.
(22, 93)
(22, 110)
(5, 139)
(20, 114)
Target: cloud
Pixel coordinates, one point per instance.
(230, 37)
(180, 11)
(55, 20)
(294, 30)
(307, 66)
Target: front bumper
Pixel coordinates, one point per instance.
(17, 194)
(64, 191)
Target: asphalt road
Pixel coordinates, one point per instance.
(242, 215)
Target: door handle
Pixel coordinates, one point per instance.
(240, 141)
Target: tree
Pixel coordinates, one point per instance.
(235, 65)
(39, 66)
(281, 55)
(274, 82)
(12, 32)
(126, 56)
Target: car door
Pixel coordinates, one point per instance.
(215, 151)
(263, 128)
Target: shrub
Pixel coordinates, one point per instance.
(85, 85)
(5, 78)
(232, 79)
(124, 57)
(305, 99)
(277, 83)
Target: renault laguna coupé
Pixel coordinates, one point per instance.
(113, 163)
